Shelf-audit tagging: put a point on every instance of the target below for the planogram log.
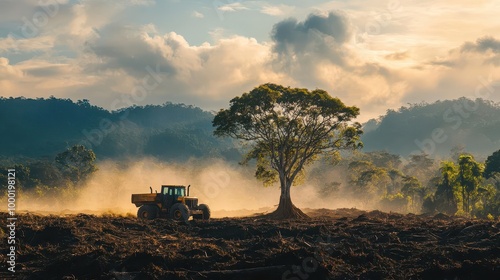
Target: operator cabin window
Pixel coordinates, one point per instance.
(178, 192)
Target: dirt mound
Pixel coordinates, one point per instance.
(339, 244)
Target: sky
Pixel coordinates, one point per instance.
(374, 54)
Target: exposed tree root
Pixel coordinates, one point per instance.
(286, 210)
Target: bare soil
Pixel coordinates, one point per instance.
(332, 244)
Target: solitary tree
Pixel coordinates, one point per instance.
(287, 129)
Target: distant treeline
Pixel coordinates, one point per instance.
(41, 128)
(454, 165)
(458, 185)
(473, 125)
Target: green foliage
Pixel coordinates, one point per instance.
(367, 180)
(469, 178)
(384, 159)
(492, 165)
(462, 190)
(77, 163)
(413, 190)
(445, 198)
(420, 166)
(288, 128)
(44, 127)
(474, 124)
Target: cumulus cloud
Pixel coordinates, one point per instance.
(141, 50)
(232, 7)
(279, 10)
(8, 71)
(209, 74)
(17, 45)
(291, 35)
(319, 52)
(482, 44)
(92, 49)
(470, 70)
(197, 14)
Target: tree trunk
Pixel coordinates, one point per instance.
(464, 202)
(286, 209)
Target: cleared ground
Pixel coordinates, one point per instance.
(333, 244)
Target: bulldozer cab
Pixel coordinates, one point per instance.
(172, 193)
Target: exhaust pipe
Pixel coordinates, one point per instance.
(188, 189)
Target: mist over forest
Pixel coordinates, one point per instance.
(176, 132)
(399, 169)
(44, 127)
(437, 128)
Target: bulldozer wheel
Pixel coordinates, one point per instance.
(198, 216)
(147, 212)
(179, 212)
(206, 211)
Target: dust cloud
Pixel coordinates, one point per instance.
(228, 188)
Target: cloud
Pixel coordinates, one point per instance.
(319, 52)
(298, 36)
(16, 45)
(142, 50)
(318, 38)
(280, 10)
(232, 7)
(8, 71)
(471, 70)
(482, 45)
(197, 14)
(209, 74)
(100, 51)
(397, 56)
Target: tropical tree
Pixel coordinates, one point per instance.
(371, 183)
(384, 159)
(445, 200)
(287, 129)
(492, 165)
(469, 177)
(47, 173)
(420, 166)
(412, 189)
(396, 178)
(77, 162)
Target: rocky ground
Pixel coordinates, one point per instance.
(333, 244)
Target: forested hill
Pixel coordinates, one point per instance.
(37, 128)
(470, 125)
(44, 127)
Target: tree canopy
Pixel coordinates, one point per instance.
(287, 128)
(492, 164)
(77, 162)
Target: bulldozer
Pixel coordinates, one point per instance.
(172, 202)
